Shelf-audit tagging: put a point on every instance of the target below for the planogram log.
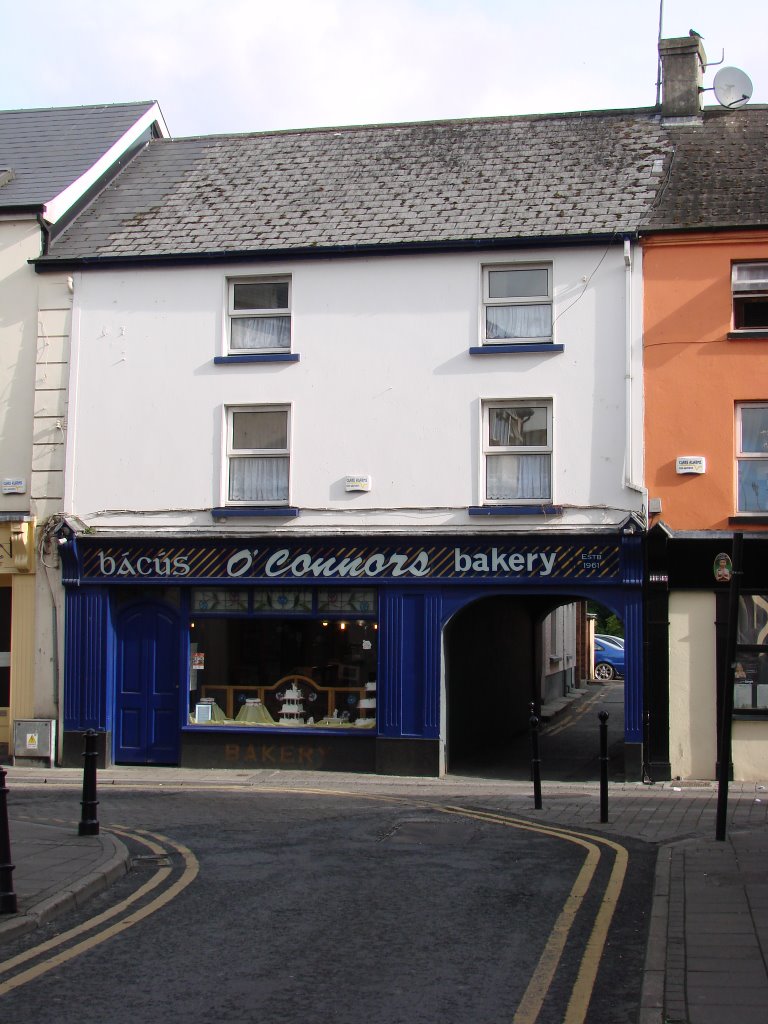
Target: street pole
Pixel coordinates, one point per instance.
(89, 823)
(603, 716)
(8, 903)
(726, 704)
(533, 722)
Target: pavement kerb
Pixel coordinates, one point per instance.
(76, 894)
(192, 778)
(655, 968)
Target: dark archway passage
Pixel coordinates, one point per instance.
(490, 670)
(493, 663)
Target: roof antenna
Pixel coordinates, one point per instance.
(658, 58)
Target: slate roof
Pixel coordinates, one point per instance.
(48, 149)
(515, 180)
(719, 175)
(416, 185)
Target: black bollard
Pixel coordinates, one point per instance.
(533, 722)
(8, 904)
(603, 716)
(89, 823)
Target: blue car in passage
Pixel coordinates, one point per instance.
(607, 638)
(609, 660)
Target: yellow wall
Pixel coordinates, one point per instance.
(17, 557)
(693, 724)
(23, 647)
(19, 242)
(749, 744)
(693, 685)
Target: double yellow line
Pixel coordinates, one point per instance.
(158, 846)
(569, 719)
(533, 999)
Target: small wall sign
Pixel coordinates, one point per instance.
(14, 485)
(358, 483)
(691, 464)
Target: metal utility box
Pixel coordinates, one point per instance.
(34, 739)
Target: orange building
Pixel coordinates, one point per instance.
(705, 364)
(706, 463)
(706, 378)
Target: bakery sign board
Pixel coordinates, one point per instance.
(335, 560)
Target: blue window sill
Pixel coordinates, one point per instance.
(750, 519)
(254, 511)
(514, 510)
(503, 350)
(259, 357)
(756, 334)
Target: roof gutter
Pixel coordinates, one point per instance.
(54, 265)
(20, 210)
(717, 229)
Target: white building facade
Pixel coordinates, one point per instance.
(319, 505)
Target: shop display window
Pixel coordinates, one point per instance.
(750, 677)
(286, 658)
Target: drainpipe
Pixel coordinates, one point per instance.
(629, 452)
(45, 234)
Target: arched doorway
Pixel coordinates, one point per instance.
(501, 663)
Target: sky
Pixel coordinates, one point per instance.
(221, 66)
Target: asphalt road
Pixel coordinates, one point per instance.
(569, 744)
(315, 908)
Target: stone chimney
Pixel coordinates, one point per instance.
(682, 76)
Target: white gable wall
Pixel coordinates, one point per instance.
(385, 386)
(19, 242)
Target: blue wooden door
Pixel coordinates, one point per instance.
(147, 686)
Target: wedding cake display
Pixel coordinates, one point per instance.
(292, 710)
(366, 706)
(254, 713)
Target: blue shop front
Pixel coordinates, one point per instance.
(328, 653)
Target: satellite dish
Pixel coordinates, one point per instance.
(732, 88)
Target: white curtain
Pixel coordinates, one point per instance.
(750, 277)
(753, 485)
(534, 321)
(754, 428)
(516, 477)
(249, 332)
(753, 473)
(258, 479)
(508, 426)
